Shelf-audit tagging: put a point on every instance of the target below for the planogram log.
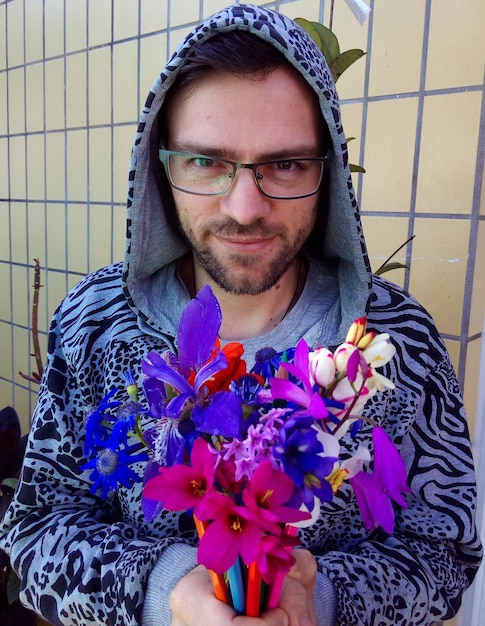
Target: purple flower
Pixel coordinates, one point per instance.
(176, 384)
(374, 492)
(299, 452)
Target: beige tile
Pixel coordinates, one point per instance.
(99, 86)
(56, 236)
(456, 50)
(123, 137)
(18, 232)
(4, 164)
(438, 269)
(15, 34)
(384, 235)
(55, 166)
(76, 25)
(16, 164)
(34, 31)
(477, 309)
(448, 153)
(472, 381)
(153, 55)
(20, 291)
(77, 238)
(76, 90)
(188, 11)
(5, 240)
(389, 155)
(55, 291)
(299, 8)
(100, 237)
(100, 164)
(99, 22)
(35, 97)
(36, 232)
(16, 99)
(119, 232)
(125, 93)
(397, 39)
(35, 169)
(5, 304)
(54, 28)
(54, 94)
(77, 165)
(3, 103)
(125, 19)
(3, 26)
(6, 389)
(153, 15)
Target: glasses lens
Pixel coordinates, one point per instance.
(290, 179)
(200, 174)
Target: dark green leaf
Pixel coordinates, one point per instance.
(389, 267)
(356, 168)
(344, 61)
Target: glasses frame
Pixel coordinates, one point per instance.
(165, 154)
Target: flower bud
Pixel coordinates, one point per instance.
(356, 331)
(322, 366)
(342, 355)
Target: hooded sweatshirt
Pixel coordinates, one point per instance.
(83, 560)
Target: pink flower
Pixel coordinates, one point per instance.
(182, 487)
(267, 493)
(234, 531)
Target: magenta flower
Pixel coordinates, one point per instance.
(234, 532)
(275, 556)
(182, 487)
(268, 492)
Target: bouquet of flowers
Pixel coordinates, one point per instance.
(251, 454)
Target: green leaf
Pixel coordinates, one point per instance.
(310, 29)
(389, 267)
(356, 168)
(323, 37)
(343, 61)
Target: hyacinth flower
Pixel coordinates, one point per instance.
(182, 385)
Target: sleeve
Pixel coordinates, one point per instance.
(418, 574)
(77, 561)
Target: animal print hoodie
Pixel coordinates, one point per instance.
(83, 560)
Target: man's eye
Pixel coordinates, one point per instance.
(204, 162)
(284, 165)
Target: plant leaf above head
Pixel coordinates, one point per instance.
(323, 37)
(343, 61)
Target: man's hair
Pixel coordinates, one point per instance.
(236, 52)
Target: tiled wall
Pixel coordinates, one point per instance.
(74, 73)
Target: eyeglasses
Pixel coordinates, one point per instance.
(204, 175)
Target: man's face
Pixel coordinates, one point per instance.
(243, 240)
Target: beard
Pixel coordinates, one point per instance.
(246, 274)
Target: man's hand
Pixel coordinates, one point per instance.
(193, 602)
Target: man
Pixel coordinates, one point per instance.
(254, 199)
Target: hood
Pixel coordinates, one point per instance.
(152, 239)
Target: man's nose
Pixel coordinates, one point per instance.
(244, 201)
